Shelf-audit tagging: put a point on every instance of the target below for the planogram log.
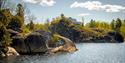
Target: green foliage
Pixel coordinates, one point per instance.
(55, 38)
(113, 24)
(116, 24)
(122, 29)
(20, 14)
(4, 35)
(98, 24)
(61, 25)
(31, 26)
(5, 16)
(9, 21)
(15, 24)
(92, 23)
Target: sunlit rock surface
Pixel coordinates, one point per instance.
(12, 52)
(68, 46)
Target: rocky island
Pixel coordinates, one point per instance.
(58, 35)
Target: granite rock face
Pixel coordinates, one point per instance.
(10, 51)
(35, 42)
(19, 44)
(68, 46)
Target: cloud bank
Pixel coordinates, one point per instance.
(97, 5)
(84, 14)
(41, 2)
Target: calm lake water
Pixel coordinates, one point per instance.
(87, 53)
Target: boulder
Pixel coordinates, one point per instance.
(116, 36)
(35, 43)
(12, 52)
(19, 44)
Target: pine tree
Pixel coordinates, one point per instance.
(92, 23)
(82, 22)
(31, 25)
(113, 24)
(20, 14)
(118, 24)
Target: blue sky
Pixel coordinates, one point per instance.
(104, 10)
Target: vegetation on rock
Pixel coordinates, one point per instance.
(14, 30)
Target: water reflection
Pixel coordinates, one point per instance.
(87, 53)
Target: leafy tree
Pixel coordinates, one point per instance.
(5, 16)
(4, 35)
(15, 24)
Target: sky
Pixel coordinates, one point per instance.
(103, 10)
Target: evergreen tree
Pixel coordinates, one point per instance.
(82, 22)
(20, 14)
(113, 24)
(92, 23)
(20, 10)
(118, 24)
(62, 16)
(31, 25)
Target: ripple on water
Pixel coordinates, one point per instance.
(87, 53)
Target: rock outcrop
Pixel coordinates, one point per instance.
(116, 36)
(10, 52)
(19, 44)
(35, 42)
(68, 46)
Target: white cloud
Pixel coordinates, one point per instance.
(84, 14)
(97, 5)
(41, 2)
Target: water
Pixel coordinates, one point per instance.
(87, 53)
